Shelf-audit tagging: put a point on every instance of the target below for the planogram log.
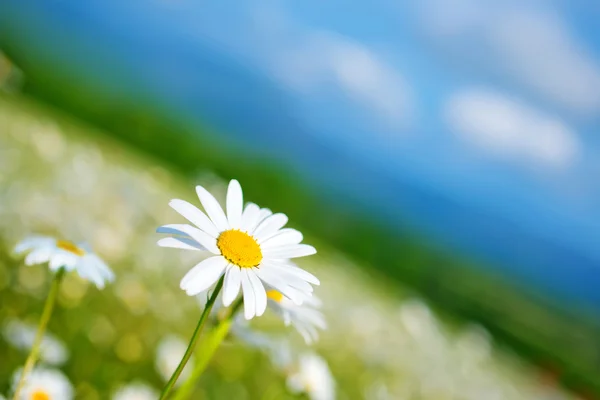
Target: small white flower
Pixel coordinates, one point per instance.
(169, 353)
(312, 377)
(136, 391)
(44, 384)
(68, 255)
(22, 335)
(305, 318)
(278, 349)
(250, 247)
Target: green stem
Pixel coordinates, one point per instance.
(193, 340)
(35, 347)
(206, 351)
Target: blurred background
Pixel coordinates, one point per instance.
(441, 155)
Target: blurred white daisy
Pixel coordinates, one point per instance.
(250, 246)
(44, 384)
(277, 349)
(305, 318)
(136, 391)
(169, 353)
(313, 378)
(22, 335)
(68, 255)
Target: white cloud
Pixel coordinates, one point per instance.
(316, 62)
(509, 129)
(325, 59)
(525, 40)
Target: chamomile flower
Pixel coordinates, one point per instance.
(305, 318)
(278, 349)
(22, 335)
(249, 246)
(136, 391)
(44, 384)
(68, 255)
(313, 378)
(169, 352)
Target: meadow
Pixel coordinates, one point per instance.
(64, 178)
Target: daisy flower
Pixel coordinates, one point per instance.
(313, 378)
(22, 336)
(169, 352)
(136, 391)
(68, 255)
(277, 349)
(44, 384)
(305, 318)
(249, 246)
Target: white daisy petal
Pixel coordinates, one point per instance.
(277, 282)
(203, 275)
(33, 242)
(169, 230)
(310, 335)
(289, 277)
(303, 317)
(297, 296)
(231, 286)
(314, 301)
(297, 271)
(299, 284)
(213, 209)
(61, 259)
(195, 216)
(264, 213)
(203, 238)
(87, 271)
(284, 237)
(104, 270)
(235, 203)
(315, 317)
(290, 251)
(180, 243)
(39, 256)
(260, 295)
(270, 226)
(250, 217)
(248, 292)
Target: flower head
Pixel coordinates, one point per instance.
(305, 317)
(313, 378)
(249, 246)
(68, 255)
(22, 335)
(44, 384)
(278, 349)
(136, 391)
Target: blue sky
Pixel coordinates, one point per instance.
(492, 105)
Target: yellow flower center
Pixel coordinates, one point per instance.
(40, 395)
(274, 295)
(239, 248)
(70, 247)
